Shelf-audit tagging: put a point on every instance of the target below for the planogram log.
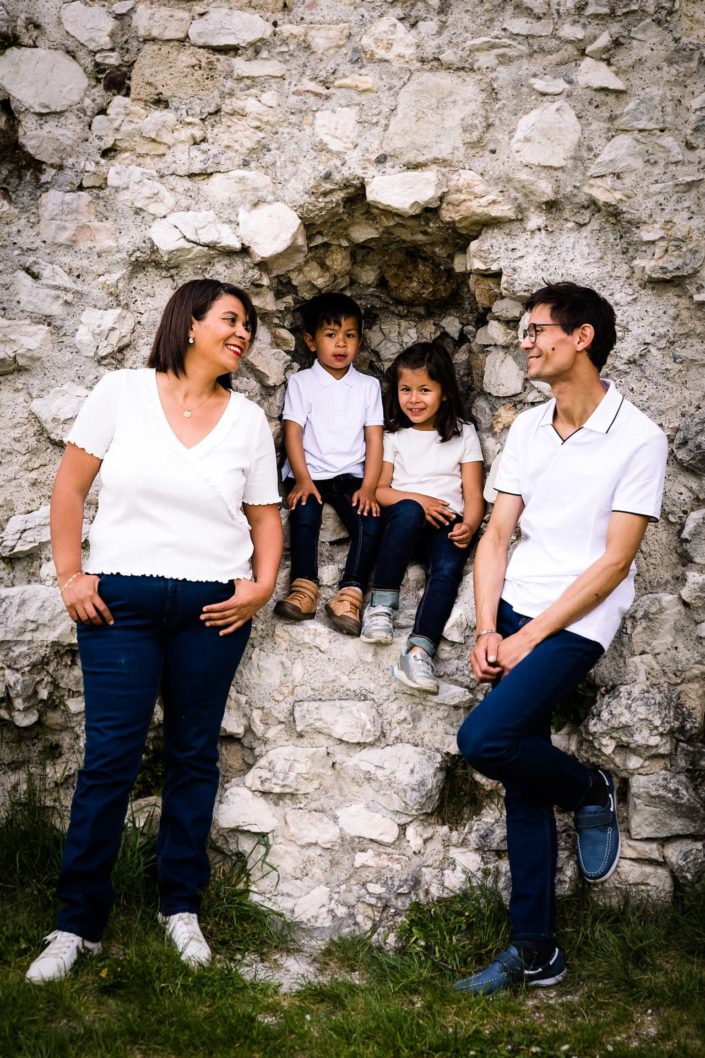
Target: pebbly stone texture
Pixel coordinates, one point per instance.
(438, 168)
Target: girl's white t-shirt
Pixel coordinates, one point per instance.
(164, 509)
(423, 463)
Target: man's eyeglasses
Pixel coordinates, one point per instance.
(534, 330)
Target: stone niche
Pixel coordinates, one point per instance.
(423, 168)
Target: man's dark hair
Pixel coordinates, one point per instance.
(433, 359)
(329, 308)
(192, 301)
(572, 305)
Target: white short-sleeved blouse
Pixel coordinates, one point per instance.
(423, 463)
(164, 509)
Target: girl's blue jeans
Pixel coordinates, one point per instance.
(508, 737)
(404, 527)
(158, 643)
(305, 526)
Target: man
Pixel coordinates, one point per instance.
(582, 476)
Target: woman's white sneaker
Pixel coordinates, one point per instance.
(59, 956)
(184, 930)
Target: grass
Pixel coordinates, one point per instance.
(636, 985)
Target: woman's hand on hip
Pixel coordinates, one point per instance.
(83, 602)
(228, 616)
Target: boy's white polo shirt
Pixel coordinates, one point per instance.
(570, 488)
(333, 413)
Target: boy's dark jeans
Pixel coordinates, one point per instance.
(404, 526)
(305, 526)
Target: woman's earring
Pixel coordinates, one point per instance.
(191, 339)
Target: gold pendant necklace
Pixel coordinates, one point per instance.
(188, 412)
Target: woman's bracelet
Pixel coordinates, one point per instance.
(73, 577)
(486, 632)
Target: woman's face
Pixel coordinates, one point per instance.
(222, 336)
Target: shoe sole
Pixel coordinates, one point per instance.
(282, 609)
(548, 981)
(613, 868)
(377, 640)
(347, 625)
(403, 678)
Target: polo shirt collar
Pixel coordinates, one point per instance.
(603, 416)
(326, 379)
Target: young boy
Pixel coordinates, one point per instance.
(333, 422)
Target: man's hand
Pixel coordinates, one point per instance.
(243, 604)
(514, 649)
(461, 535)
(364, 500)
(483, 660)
(301, 492)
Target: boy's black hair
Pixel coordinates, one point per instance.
(434, 359)
(329, 308)
(571, 305)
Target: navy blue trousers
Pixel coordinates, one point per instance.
(157, 643)
(508, 737)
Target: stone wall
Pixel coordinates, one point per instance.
(438, 159)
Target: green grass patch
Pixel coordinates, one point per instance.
(635, 988)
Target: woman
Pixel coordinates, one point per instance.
(184, 550)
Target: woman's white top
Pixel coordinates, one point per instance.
(166, 510)
(423, 463)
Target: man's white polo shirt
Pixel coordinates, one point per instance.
(615, 462)
(333, 413)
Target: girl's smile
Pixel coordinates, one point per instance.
(420, 397)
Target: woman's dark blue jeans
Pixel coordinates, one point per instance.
(305, 525)
(158, 643)
(404, 527)
(508, 737)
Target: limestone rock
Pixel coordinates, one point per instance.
(57, 410)
(496, 333)
(258, 68)
(233, 723)
(621, 155)
(388, 39)
(44, 289)
(103, 332)
(548, 86)
(416, 136)
(188, 237)
(43, 80)
(528, 27)
(693, 536)
(160, 23)
(503, 376)
(91, 25)
(268, 363)
(33, 613)
(137, 187)
(220, 28)
(314, 910)
(470, 202)
(653, 623)
(664, 805)
(416, 280)
(599, 46)
(350, 720)
(338, 129)
(69, 218)
(693, 591)
(595, 74)
(167, 71)
(237, 188)
(289, 769)
(644, 112)
(689, 442)
(273, 234)
(632, 723)
(311, 828)
(682, 257)
(54, 140)
(405, 778)
(547, 136)
(641, 881)
(686, 859)
(327, 38)
(25, 533)
(405, 193)
(23, 345)
(358, 821)
(240, 809)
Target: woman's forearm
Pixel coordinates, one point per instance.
(267, 541)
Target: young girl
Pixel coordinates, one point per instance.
(430, 490)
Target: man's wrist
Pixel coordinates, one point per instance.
(486, 632)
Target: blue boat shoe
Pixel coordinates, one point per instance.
(598, 836)
(509, 968)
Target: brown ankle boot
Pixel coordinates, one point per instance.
(345, 611)
(301, 602)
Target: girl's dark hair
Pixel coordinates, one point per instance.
(192, 301)
(437, 363)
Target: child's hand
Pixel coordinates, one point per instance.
(364, 500)
(301, 492)
(461, 535)
(437, 512)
